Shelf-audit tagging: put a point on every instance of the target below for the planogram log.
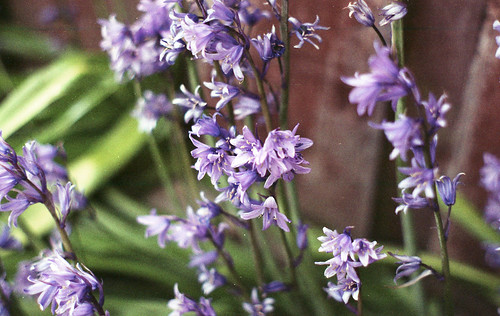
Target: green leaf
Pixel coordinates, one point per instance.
(108, 155)
(20, 41)
(38, 91)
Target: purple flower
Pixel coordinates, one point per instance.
(223, 91)
(448, 189)
(203, 258)
(257, 307)
(492, 213)
(221, 13)
(269, 46)
(7, 242)
(366, 252)
(210, 279)
(149, 109)
(343, 290)
(490, 174)
(496, 27)
(192, 102)
(182, 304)
(361, 12)
(64, 197)
(341, 268)
(67, 288)
(250, 14)
(408, 265)
(421, 179)
(305, 32)
(16, 206)
(393, 12)
(386, 82)
(211, 161)
(407, 201)
(157, 225)
(274, 286)
(229, 53)
(435, 111)
(337, 244)
(270, 213)
(404, 134)
(247, 104)
(301, 239)
(492, 255)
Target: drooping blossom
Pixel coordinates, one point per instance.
(210, 279)
(149, 109)
(448, 189)
(68, 289)
(182, 304)
(385, 82)
(269, 47)
(192, 102)
(306, 32)
(258, 307)
(407, 201)
(407, 265)
(361, 12)
(224, 91)
(7, 242)
(270, 214)
(392, 12)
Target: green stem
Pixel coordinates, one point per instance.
(285, 62)
(407, 223)
(163, 172)
(257, 255)
(262, 94)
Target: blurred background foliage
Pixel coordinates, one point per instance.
(65, 94)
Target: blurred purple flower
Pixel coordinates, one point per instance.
(435, 111)
(496, 27)
(270, 213)
(7, 242)
(149, 109)
(210, 279)
(257, 307)
(182, 304)
(157, 225)
(343, 290)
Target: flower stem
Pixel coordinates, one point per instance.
(163, 172)
(285, 62)
(407, 223)
(257, 255)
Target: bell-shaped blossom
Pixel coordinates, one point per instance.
(257, 307)
(306, 32)
(385, 82)
(7, 242)
(407, 201)
(192, 102)
(420, 178)
(392, 12)
(210, 279)
(407, 265)
(212, 161)
(270, 214)
(157, 225)
(490, 174)
(366, 251)
(404, 134)
(249, 14)
(182, 304)
(343, 290)
(223, 91)
(149, 109)
(220, 12)
(67, 288)
(361, 12)
(269, 46)
(435, 111)
(448, 189)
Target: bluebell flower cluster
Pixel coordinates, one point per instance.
(490, 180)
(414, 138)
(66, 288)
(245, 160)
(364, 15)
(258, 307)
(30, 177)
(182, 304)
(348, 254)
(134, 50)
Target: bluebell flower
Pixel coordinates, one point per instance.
(210, 279)
(492, 212)
(490, 174)
(220, 12)
(149, 109)
(269, 46)
(492, 255)
(274, 286)
(257, 307)
(341, 268)
(366, 251)
(212, 161)
(361, 12)
(67, 288)
(335, 243)
(448, 189)
(229, 53)
(420, 178)
(157, 225)
(192, 102)
(392, 12)
(16, 206)
(343, 290)
(64, 198)
(305, 32)
(435, 111)
(154, 21)
(7, 242)
(496, 27)
(249, 14)
(407, 265)
(270, 214)
(385, 82)
(197, 34)
(301, 240)
(182, 304)
(407, 201)
(404, 134)
(224, 91)
(203, 258)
